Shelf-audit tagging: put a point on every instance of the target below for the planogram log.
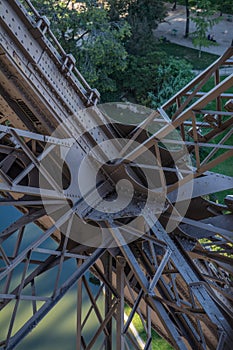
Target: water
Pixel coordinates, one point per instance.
(58, 329)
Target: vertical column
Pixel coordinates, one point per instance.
(79, 312)
(107, 261)
(148, 324)
(120, 264)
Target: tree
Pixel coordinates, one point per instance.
(153, 78)
(203, 17)
(225, 6)
(185, 3)
(140, 74)
(171, 76)
(174, 5)
(117, 9)
(85, 30)
(143, 17)
(187, 24)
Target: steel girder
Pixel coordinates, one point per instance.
(176, 271)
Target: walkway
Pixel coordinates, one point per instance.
(174, 27)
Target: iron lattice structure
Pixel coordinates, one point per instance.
(178, 278)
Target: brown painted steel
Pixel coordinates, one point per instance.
(179, 280)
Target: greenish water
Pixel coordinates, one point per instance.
(58, 329)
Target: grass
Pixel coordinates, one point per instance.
(158, 343)
(189, 54)
(210, 84)
(225, 167)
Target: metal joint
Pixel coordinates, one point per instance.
(68, 64)
(42, 24)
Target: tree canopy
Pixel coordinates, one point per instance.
(101, 34)
(85, 31)
(143, 17)
(203, 16)
(223, 6)
(114, 46)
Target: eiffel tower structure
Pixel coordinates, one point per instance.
(119, 190)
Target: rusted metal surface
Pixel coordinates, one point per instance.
(172, 266)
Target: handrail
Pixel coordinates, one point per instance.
(41, 23)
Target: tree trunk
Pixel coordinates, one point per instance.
(174, 5)
(187, 19)
(199, 52)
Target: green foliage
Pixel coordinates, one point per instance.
(103, 54)
(140, 76)
(203, 16)
(85, 31)
(171, 76)
(154, 76)
(189, 54)
(157, 343)
(224, 6)
(101, 35)
(97, 34)
(143, 17)
(149, 82)
(224, 167)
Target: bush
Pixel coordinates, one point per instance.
(170, 78)
(149, 82)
